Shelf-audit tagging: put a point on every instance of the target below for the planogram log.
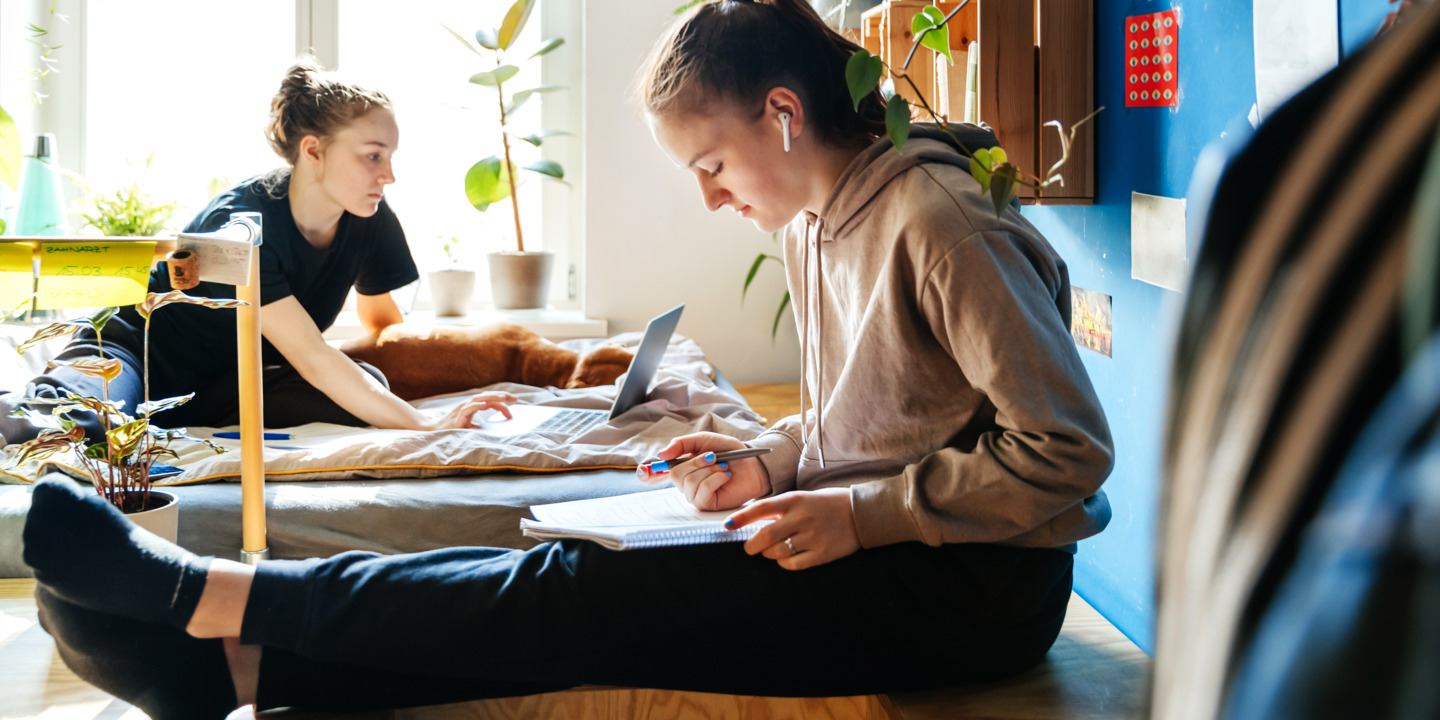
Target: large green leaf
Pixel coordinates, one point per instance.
(53, 330)
(775, 326)
(514, 105)
(155, 301)
(537, 137)
(486, 183)
(105, 368)
(750, 276)
(862, 74)
(1003, 187)
(493, 78)
(522, 95)
(981, 173)
(488, 38)
(156, 406)
(125, 439)
(897, 121)
(9, 151)
(100, 317)
(514, 22)
(462, 39)
(546, 47)
(548, 168)
(937, 39)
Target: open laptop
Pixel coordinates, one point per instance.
(569, 422)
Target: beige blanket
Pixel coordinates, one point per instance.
(683, 399)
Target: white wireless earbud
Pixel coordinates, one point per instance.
(785, 125)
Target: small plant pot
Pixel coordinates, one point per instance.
(162, 517)
(451, 292)
(520, 280)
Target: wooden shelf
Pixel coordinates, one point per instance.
(1036, 64)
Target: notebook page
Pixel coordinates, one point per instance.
(656, 507)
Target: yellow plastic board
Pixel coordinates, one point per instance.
(17, 275)
(93, 274)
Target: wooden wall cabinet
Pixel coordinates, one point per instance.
(1036, 64)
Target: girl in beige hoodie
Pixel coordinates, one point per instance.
(947, 401)
(930, 497)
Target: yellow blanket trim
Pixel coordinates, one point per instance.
(211, 478)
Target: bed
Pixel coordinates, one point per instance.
(471, 493)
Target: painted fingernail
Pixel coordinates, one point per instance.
(724, 465)
(729, 522)
(729, 474)
(710, 457)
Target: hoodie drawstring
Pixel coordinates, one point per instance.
(818, 309)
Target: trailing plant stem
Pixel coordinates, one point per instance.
(923, 33)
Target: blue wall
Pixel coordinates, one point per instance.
(1153, 151)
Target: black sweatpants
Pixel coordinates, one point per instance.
(488, 622)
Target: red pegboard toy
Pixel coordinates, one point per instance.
(1152, 60)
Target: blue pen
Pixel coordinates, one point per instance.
(267, 436)
(662, 466)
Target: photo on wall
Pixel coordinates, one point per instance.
(1090, 319)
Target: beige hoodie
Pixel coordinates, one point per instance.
(944, 387)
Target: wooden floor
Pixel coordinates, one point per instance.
(1093, 673)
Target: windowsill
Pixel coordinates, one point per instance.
(550, 323)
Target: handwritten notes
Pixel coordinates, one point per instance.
(221, 260)
(17, 276)
(93, 274)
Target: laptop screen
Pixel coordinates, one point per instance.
(647, 360)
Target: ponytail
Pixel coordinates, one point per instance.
(736, 51)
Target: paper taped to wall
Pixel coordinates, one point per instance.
(1157, 241)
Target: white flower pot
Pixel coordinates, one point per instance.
(520, 280)
(163, 518)
(451, 292)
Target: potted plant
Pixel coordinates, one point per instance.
(129, 211)
(519, 279)
(451, 287)
(119, 467)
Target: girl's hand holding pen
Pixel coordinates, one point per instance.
(707, 483)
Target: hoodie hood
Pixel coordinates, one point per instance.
(877, 165)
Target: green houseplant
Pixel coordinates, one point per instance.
(129, 210)
(119, 468)
(519, 279)
(452, 286)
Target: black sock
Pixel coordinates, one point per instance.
(87, 553)
(166, 673)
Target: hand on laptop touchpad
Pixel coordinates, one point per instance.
(488, 417)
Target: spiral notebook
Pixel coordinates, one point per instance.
(659, 518)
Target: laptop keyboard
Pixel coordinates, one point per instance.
(571, 422)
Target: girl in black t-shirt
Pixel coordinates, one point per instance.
(327, 229)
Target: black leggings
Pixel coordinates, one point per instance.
(488, 622)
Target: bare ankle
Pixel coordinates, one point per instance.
(222, 604)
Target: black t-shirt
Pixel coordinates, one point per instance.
(190, 344)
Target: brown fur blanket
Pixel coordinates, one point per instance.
(421, 362)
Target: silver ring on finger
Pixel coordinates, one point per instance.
(791, 546)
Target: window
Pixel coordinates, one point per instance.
(197, 101)
(197, 97)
